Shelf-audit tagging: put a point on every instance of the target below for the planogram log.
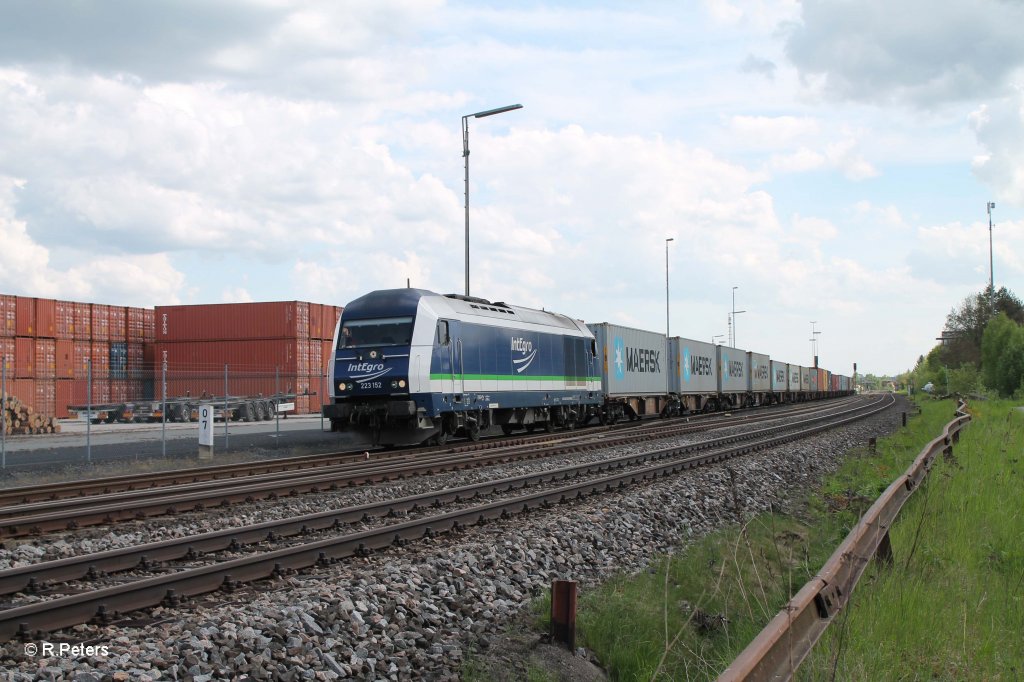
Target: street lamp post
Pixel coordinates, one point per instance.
(814, 343)
(991, 279)
(465, 155)
(667, 240)
(732, 320)
(716, 337)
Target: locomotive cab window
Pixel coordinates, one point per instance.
(384, 331)
(442, 333)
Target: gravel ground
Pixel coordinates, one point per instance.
(414, 612)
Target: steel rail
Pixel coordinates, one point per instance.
(126, 482)
(75, 513)
(780, 648)
(33, 576)
(168, 589)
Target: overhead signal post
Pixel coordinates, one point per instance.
(465, 155)
(667, 240)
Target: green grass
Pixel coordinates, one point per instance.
(688, 616)
(952, 605)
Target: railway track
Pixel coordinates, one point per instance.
(77, 512)
(547, 488)
(144, 481)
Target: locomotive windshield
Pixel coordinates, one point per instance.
(384, 331)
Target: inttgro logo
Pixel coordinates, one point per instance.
(525, 348)
(372, 370)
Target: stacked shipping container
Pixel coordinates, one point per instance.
(263, 348)
(46, 347)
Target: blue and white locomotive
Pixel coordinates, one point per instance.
(412, 366)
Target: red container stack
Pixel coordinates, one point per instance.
(46, 346)
(268, 348)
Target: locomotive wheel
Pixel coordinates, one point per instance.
(473, 431)
(441, 438)
(507, 429)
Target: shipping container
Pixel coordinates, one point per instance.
(254, 356)
(25, 316)
(65, 320)
(233, 321)
(135, 324)
(118, 322)
(794, 378)
(7, 357)
(759, 379)
(24, 358)
(46, 318)
(100, 393)
(118, 361)
(83, 322)
(694, 367)
(316, 321)
(137, 368)
(81, 357)
(821, 380)
(805, 379)
(46, 358)
(100, 322)
(8, 315)
(100, 356)
(64, 357)
(732, 370)
(780, 377)
(149, 326)
(633, 362)
(64, 396)
(24, 390)
(46, 397)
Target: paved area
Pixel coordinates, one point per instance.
(80, 442)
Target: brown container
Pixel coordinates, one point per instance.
(100, 392)
(25, 316)
(83, 322)
(64, 358)
(316, 321)
(7, 357)
(46, 358)
(149, 326)
(46, 397)
(24, 358)
(137, 368)
(100, 322)
(118, 322)
(233, 321)
(255, 356)
(65, 320)
(100, 359)
(119, 392)
(135, 324)
(81, 354)
(8, 315)
(63, 397)
(46, 318)
(24, 390)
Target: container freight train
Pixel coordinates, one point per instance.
(411, 366)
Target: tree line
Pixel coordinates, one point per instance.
(982, 350)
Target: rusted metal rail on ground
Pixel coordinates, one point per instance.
(168, 589)
(780, 648)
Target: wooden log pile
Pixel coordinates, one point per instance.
(20, 419)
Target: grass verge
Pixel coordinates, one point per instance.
(689, 615)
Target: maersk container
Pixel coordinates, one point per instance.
(633, 362)
(794, 378)
(780, 376)
(759, 379)
(805, 378)
(694, 366)
(732, 370)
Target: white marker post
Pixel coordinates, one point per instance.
(206, 412)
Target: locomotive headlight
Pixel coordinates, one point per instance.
(397, 384)
(343, 386)
(401, 383)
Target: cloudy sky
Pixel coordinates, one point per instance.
(832, 160)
